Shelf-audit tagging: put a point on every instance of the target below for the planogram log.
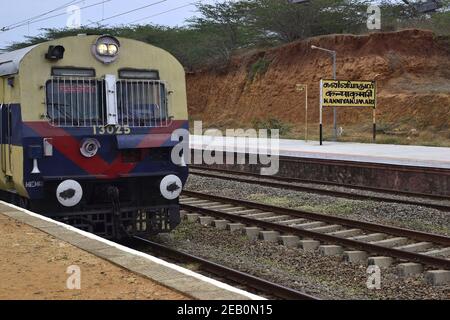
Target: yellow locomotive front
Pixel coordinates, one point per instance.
(87, 131)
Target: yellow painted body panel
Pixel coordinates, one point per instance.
(35, 71)
(17, 170)
(2, 89)
(10, 94)
(11, 160)
(5, 181)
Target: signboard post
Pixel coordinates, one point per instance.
(374, 114)
(347, 93)
(321, 110)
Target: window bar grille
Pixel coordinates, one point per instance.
(52, 97)
(132, 106)
(166, 103)
(143, 103)
(149, 97)
(71, 103)
(76, 102)
(90, 103)
(156, 106)
(145, 97)
(103, 105)
(140, 91)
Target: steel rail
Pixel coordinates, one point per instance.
(370, 226)
(410, 256)
(370, 165)
(349, 195)
(329, 183)
(242, 278)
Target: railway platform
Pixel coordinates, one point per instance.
(404, 155)
(44, 259)
(412, 170)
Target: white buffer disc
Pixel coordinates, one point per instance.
(69, 193)
(171, 187)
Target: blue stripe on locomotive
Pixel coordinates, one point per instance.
(59, 167)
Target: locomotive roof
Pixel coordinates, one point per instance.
(10, 61)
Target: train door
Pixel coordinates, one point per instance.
(5, 130)
(2, 165)
(2, 100)
(6, 138)
(9, 132)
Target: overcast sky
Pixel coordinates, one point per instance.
(12, 12)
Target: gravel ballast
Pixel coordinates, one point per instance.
(400, 215)
(325, 277)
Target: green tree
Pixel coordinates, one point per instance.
(285, 22)
(226, 26)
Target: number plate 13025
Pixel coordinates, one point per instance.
(106, 130)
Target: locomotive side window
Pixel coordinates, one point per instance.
(75, 102)
(142, 103)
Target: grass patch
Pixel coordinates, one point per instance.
(193, 266)
(259, 68)
(183, 231)
(427, 227)
(274, 124)
(342, 207)
(273, 201)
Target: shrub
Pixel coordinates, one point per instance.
(260, 67)
(272, 123)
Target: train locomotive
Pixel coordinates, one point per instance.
(87, 133)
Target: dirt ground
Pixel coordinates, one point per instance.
(33, 266)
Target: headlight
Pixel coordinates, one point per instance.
(102, 49)
(89, 147)
(106, 49)
(112, 49)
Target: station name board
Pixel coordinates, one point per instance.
(347, 93)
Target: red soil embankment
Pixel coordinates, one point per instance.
(412, 68)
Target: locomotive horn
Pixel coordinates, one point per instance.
(35, 167)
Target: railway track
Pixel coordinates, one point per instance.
(292, 165)
(380, 240)
(268, 288)
(287, 183)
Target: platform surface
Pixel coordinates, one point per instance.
(406, 155)
(36, 251)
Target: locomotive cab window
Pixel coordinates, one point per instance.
(75, 101)
(142, 103)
